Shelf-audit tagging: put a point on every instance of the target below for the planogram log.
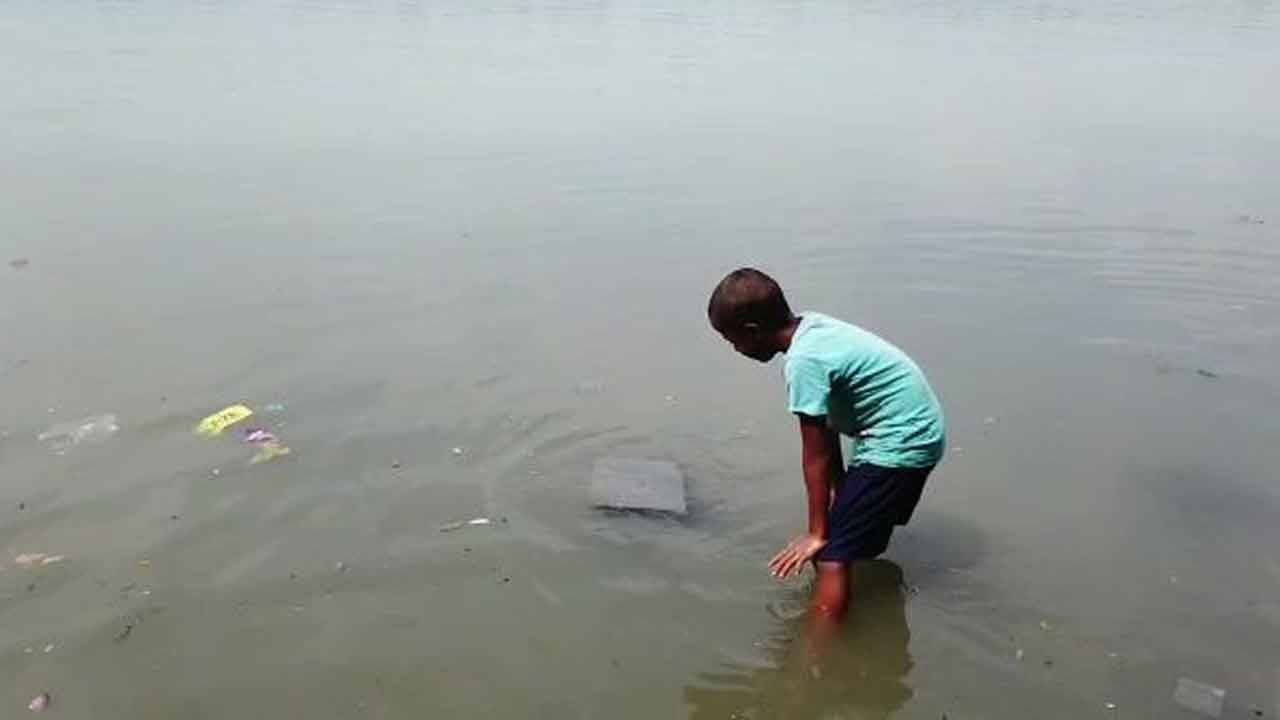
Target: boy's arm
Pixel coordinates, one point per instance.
(821, 451)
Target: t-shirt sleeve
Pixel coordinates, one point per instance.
(808, 386)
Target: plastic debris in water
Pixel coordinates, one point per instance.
(39, 702)
(457, 451)
(1199, 697)
(19, 263)
(464, 523)
(269, 451)
(31, 559)
(258, 436)
(94, 428)
(223, 419)
(269, 446)
(273, 408)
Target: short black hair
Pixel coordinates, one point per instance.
(747, 296)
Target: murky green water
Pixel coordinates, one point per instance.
(467, 246)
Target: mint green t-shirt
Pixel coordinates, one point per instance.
(867, 389)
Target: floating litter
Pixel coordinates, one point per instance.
(1199, 697)
(223, 419)
(464, 523)
(92, 429)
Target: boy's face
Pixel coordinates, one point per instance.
(750, 341)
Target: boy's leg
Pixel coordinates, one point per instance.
(831, 591)
(830, 601)
(870, 502)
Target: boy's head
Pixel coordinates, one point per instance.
(750, 311)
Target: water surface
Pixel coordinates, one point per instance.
(467, 246)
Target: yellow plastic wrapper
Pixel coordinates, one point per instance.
(223, 419)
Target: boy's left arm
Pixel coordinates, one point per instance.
(821, 449)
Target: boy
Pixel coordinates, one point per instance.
(841, 379)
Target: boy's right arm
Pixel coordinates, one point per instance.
(821, 449)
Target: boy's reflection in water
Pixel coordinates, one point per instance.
(854, 670)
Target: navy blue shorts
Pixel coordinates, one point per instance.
(869, 503)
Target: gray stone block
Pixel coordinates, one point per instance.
(631, 484)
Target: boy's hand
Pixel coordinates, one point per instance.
(795, 555)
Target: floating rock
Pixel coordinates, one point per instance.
(1199, 697)
(630, 484)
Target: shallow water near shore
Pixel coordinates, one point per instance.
(463, 250)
